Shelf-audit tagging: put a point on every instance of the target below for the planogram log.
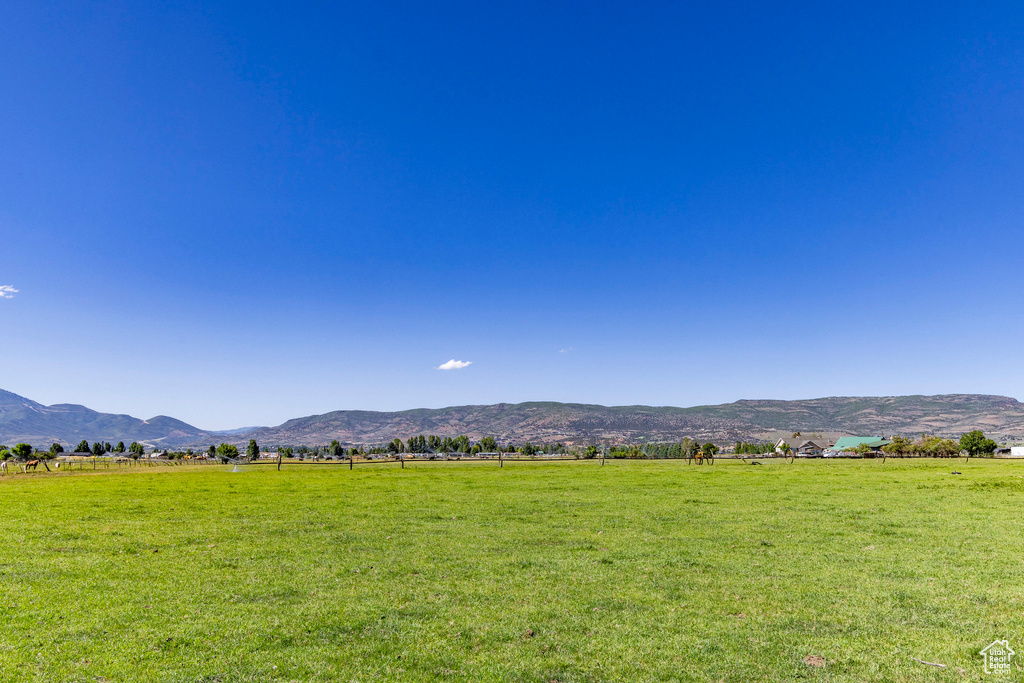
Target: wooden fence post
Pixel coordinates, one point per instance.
(351, 461)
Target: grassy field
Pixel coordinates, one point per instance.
(635, 571)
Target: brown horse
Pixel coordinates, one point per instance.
(30, 465)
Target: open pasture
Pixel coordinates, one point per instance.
(635, 571)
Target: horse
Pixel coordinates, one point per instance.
(3, 467)
(30, 465)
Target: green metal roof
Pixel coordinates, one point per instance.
(848, 443)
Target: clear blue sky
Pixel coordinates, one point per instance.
(240, 213)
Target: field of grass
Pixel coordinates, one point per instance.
(635, 571)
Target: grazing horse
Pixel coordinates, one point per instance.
(30, 465)
(3, 467)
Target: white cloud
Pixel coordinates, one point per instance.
(568, 350)
(7, 292)
(454, 364)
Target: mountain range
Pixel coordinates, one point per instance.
(1001, 417)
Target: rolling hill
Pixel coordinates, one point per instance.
(949, 415)
(22, 419)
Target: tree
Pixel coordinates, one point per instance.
(55, 449)
(488, 444)
(22, 451)
(97, 448)
(227, 450)
(119, 448)
(900, 446)
(212, 452)
(975, 443)
(252, 451)
(335, 449)
(4, 453)
(83, 446)
(136, 449)
(107, 448)
(284, 451)
(862, 448)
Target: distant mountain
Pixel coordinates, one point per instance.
(948, 415)
(22, 419)
(580, 423)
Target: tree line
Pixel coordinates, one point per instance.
(973, 443)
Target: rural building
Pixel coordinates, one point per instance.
(847, 444)
(804, 448)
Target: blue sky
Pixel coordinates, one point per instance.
(240, 213)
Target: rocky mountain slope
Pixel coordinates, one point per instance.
(22, 419)
(999, 416)
(580, 423)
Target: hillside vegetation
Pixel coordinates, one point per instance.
(573, 423)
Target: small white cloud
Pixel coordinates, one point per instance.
(7, 292)
(568, 350)
(454, 364)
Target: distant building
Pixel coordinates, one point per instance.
(803, 448)
(848, 444)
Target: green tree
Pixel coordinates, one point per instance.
(488, 444)
(284, 451)
(97, 448)
(227, 450)
(22, 451)
(862, 448)
(83, 446)
(975, 443)
(900, 446)
(252, 451)
(55, 449)
(335, 449)
(119, 448)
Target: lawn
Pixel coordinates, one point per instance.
(635, 571)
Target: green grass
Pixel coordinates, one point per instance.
(635, 571)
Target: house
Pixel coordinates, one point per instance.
(811, 449)
(803, 448)
(846, 445)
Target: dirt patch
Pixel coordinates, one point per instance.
(814, 660)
